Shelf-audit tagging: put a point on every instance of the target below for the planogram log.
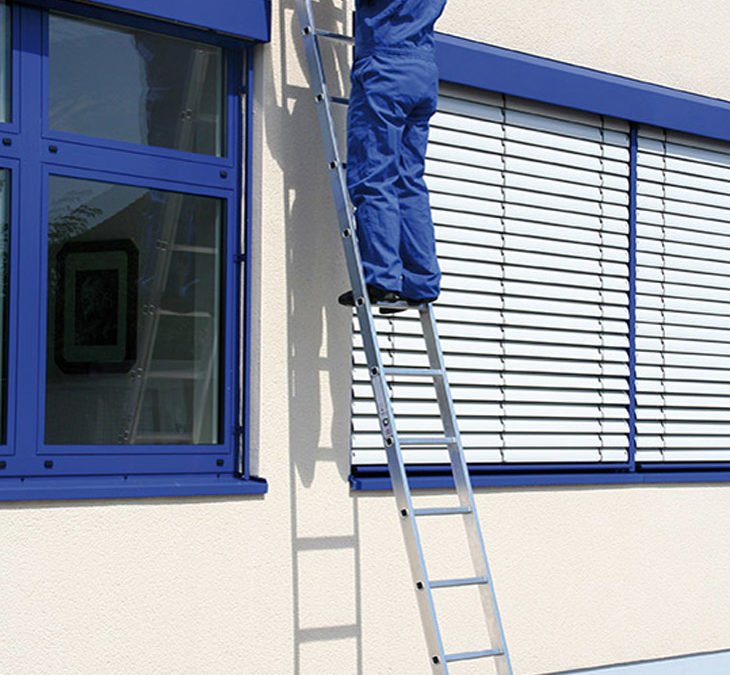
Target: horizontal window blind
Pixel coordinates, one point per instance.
(530, 204)
(683, 294)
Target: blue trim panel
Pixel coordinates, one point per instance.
(509, 72)
(250, 19)
(115, 487)
(446, 482)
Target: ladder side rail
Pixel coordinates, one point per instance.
(462, 482)
(345, 214)
(199, 415)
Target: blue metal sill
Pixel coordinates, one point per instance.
(121, 487)
(420, 481)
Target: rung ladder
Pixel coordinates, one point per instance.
(436, 372)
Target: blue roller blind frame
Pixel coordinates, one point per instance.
(242, 18)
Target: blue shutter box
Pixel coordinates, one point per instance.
(242, 18)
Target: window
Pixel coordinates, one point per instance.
(165, 92)
(133, 287)
(120, 298)
(683, 293)
(583, 226)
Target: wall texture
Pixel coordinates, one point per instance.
(669, 42)
(311, 579)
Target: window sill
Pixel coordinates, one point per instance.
(441, 481)
(117, 487)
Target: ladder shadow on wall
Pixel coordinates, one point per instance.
(325, 538)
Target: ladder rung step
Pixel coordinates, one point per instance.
(414, 372)
(330, 35)
(467, 656)
(187, 248)
(326, 543)
(437, 440)
(398, 304)
(163, 438)
(452, 583)
(340, 100)
(172, 374)
(185, 315)
(442, 511)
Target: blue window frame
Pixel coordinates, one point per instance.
(161, 177)
(250, 19)
(511, 73)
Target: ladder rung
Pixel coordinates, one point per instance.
(189, 248)
(414, 372)
(341, 100)
(185, 315)
(330, 35)
(163, 438)
(451, 583)
(442, 511)
(437, 440)
(171, 374)
(467, 656)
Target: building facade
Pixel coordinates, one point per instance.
(191, 477)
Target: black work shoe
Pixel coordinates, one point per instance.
(410, 302)
(377, 296)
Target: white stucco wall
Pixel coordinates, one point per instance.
(311, 579)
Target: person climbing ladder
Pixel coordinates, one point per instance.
(393, 96)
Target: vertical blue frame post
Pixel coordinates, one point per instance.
(245, 263)
(29, 242)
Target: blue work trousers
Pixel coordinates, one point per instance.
(393, 96)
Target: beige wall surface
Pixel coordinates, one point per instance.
(676, 43)
(312, 579)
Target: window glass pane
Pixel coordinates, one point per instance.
(5, 63)
(131, 85)
(134, 310)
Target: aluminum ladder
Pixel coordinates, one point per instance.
(436, 372)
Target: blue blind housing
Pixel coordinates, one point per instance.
(248, 19)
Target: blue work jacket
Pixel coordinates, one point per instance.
(395, 24)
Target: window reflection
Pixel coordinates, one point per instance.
(135, 86)
(134, 309)
(5, 63)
